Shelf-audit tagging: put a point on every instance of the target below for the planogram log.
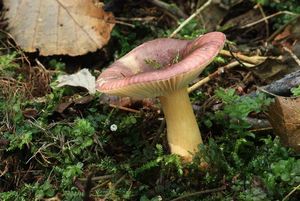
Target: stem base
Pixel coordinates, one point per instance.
(183, 133)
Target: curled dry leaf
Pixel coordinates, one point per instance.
(72, 27)
(284, 115)
(82, 78)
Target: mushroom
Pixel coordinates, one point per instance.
(163, 68)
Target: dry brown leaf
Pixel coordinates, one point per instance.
(284, 115)
(72, 27)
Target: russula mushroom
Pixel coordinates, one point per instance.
(163, 68)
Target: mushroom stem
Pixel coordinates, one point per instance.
(182, 129)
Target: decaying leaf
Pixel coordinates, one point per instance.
(82, 78)
(72, 27)
(146, 103)
(284, 115)
(67, 102)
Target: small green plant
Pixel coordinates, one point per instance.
(165, 162)
(7, 62)
(37, 191)
(19, 140)
(44, 190)
(296, 91)
(11, 107)
(237, 108)
(78, 137)
(68, 174)
(12, 196)
(153, 63)
(57, 65)
(176, 58)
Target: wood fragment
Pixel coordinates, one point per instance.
(257, 124)
(283, 86)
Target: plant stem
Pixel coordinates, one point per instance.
(182, 129)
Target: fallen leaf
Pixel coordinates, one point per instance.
(83, 100)
(30, 113)
(284, 116)
(82, 78)
(61, 107)
(72, 27)
(67, 102)
(145, 103)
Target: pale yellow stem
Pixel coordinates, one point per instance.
(182, 129)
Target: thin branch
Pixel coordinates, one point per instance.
(268, 17)
(199, 193)
(283, 86)
(264, 16)
(138, 19)
(280, 29)
(290, 193)
(249, 59)
(124, 108)
(292, 55)
(125, 23)
(218, 72)
(97, 178)
(185, 22)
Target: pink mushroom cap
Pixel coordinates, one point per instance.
(160, 66)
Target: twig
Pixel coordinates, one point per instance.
(113, 187)
(283, 86)
(275, 33)
(139, 19)
(268, 17)
(159, 132)
(171, 8)
(252, 60)
(290, 193)
(200, 193)
(237, 59)
(23, 56)
(292, 55)
(265, 91)
(264, 16)
(185, 22)
(124, 108)
(44, 146)
(215, 74)
(124, 23)
(5, 169)
(257, 124)
(98, 178)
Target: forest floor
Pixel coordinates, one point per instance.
(64, 143)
